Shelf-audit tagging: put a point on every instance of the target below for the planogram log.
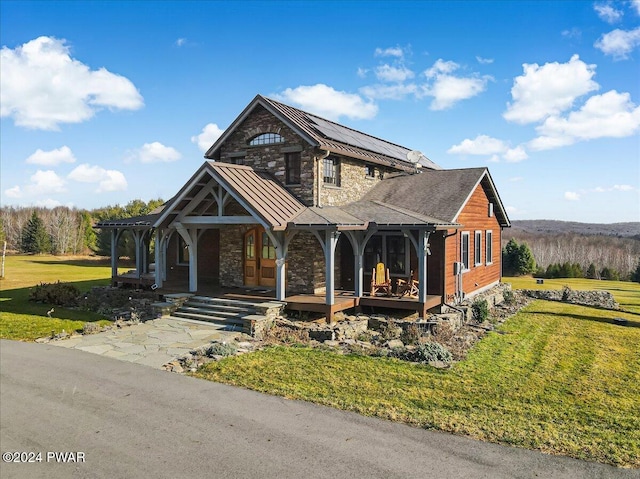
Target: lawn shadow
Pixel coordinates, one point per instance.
(78, 262)
(630, 323)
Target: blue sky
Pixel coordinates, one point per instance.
(105, 102)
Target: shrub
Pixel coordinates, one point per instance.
(389, 330)
(431, 351)
(480, 309)
(90, 328)
(60, 294)
(284, 335)
(411, 335)
(221, 349)
(508, 296)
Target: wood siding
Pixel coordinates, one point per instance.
(474, 217)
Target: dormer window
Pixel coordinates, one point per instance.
(266, 139)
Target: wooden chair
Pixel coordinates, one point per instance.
(380, 280)
(408, 287)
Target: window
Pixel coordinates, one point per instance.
(268, 249)
(370, 171)
(392, 250)
(331, 167)
(292, 166)
(488, 258)
(238, 160)
(266, 139)
(183, 251)
(477, 248)
(464, 250)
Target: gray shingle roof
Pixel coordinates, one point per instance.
(436, 193)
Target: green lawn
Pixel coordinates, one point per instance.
(24, 320)
(627, 294)
(557, 378)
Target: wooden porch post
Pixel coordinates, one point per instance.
(423, 252)
(190, 237)
(114, 252)
(158, 259)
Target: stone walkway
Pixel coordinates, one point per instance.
(153, 343)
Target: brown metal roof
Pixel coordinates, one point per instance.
(329, 136)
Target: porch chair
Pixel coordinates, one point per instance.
(380, 280)
(408, 287)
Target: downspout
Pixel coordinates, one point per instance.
(455, 280)
(321, 155)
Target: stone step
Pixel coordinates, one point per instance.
(218, 307)
(224, 301)
(213, 312)
(210, 318)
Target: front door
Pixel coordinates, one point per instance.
(259, 258)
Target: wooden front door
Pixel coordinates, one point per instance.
(259, 259)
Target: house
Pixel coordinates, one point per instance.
(304, 207)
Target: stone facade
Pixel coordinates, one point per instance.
(354, 183)
(231, 257)
(271, 157)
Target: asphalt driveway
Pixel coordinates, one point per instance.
(134, 421)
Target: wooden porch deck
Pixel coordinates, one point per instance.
(313, 303)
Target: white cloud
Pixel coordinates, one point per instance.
(389, 92)
(515, 155)
(207, 137)
(484, 61)
(623, 187)
(611, 115)
(42, 86)
(441, 67)
(446, 89)
(549, 89)
(572, 33)
(181, 42)
(481, 145)
(619, 43)
(571, 196)
(602, 189)
(636, 5)
(390, 73)
(397, 52)
(607, 12)
(48, 203)
(154, 152)
(108, 180)
(46, 182)
(52, 157)
(14, 192)
(362, 72)
(329, 103)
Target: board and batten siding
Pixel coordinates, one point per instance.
(474, 217)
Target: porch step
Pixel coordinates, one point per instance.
(223, 302)
(209, 318)
(220, 308)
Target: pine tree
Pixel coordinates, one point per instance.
(635, 274)
(35, 238)
(591, 272)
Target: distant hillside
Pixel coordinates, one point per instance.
(631, 229)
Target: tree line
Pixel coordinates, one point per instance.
(620, 259)
(67, 231)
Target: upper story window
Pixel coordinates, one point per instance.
(488, 257)
(331, 171)
(370, 171)
(477, 248)
(292, 168)
(266, 139)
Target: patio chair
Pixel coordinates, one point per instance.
(380, 280)
(408, 287)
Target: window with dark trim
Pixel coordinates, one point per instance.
(370, 171)
(488, 258)
(183, 251)
(292, 167)
(477, 248)
(266, 139)
(331, 169)
(464, 250)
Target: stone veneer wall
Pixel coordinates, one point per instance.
(354, 184)
(271, 157)
(305, 265)
(231, 257)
